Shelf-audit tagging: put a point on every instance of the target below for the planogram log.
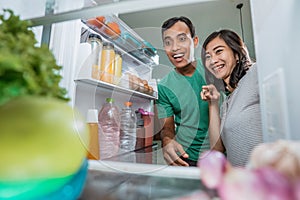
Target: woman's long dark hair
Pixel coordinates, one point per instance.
(236, 44)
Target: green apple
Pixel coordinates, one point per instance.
(40, 138)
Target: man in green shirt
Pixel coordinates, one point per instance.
(184, 133)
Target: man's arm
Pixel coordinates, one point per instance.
(172, 150)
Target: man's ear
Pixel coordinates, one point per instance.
(196, 41)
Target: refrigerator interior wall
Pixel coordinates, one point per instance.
(277, 44)
(89, 96)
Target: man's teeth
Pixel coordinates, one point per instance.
(178, 55)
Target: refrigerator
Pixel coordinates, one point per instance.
(137, 174)
(62, 25)
(276, 30)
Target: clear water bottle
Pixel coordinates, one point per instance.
(109, 129)
(127, 128)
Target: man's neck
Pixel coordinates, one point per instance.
(188, 70)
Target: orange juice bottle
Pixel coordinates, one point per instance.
(107, 66)
(93, 147)
(118, 67)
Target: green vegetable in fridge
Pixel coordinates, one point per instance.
(25, 68)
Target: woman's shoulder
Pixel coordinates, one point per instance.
(253, 68)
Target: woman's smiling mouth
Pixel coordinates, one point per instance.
(217, 68)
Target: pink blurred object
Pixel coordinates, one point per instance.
(282, 155)
(296, 188)
(213, 165)
(240, 183)
(233, 183)
(201, 195)
(275, 185)
(144, 112)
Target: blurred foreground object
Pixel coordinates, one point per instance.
(282, 155)
(25, 69)
(43, 143)
(43, 140)
(235, 183)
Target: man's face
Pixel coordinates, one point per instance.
(179, 45)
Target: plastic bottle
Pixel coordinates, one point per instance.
(93, 148)
(127, 128)
(107, 62)
(118, 67)
(109, 129)
(96, 47)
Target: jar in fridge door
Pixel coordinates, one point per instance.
(96, 46)
(107, 62)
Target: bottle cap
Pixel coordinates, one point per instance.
(92, 116)
(108, 44)
(118, 52)
(110, 100)
(96, 36)
(128, 103)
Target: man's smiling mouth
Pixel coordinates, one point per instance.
(178, 55)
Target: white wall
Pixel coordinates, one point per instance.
(27, 9)
(65, 36)
(276, 36)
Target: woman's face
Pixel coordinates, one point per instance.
(220, 59)
(179, 45)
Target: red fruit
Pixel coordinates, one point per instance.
(94, 23)
(113, 29)
(101, 19)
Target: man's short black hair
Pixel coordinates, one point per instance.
(170, 22)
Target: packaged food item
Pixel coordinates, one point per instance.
(140, 131)
(107, 62)
(148, 118)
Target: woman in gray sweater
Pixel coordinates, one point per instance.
(236, 127)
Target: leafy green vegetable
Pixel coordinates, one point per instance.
(25, 69)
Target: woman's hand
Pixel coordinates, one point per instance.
(210, 93)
